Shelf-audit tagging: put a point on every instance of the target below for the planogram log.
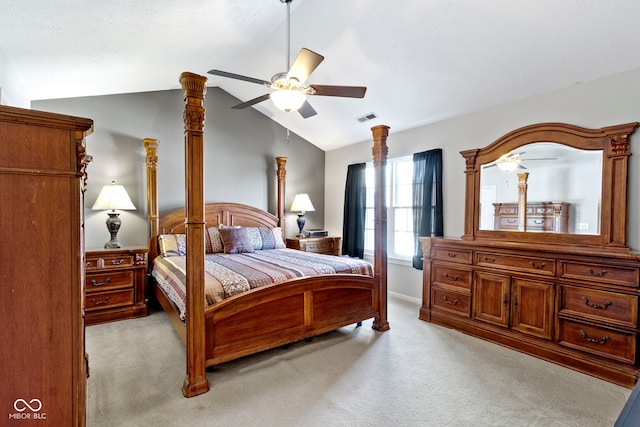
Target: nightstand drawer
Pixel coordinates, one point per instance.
(102, 300)
(318, 245)
(107, 281)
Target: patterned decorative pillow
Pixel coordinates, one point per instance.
(213, 241)
(255, 237)
(271, 238)
(172, 244)
(236, 240)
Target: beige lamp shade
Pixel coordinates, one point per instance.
(302, 203)
(113, 197)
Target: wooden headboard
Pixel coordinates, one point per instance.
(220, 213)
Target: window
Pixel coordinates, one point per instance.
(400, 242)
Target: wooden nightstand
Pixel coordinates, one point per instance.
(115, 284)
(320, 245)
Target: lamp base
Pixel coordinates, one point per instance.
(113, 225)
(301, 221)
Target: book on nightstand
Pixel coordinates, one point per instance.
(317, 233)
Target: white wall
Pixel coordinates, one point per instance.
(604, 102)
(12, 91)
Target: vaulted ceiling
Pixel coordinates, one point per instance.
(422, 60)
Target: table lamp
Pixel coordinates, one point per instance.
(301, 203)
(113, 197)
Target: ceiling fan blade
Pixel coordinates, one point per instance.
(239, 77)
(303, 66)
(251, 102)
(307, 110)
(343, 91)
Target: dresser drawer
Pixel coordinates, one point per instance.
(452, 255)
(97, 301)
(451, 301)
(601, 273)
(542, 266)
(97, 282)
(451, 276)
(605, 342)
(620, 309)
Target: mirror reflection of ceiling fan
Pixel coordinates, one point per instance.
(512, 161)
(290, 88)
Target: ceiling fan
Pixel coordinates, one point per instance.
(290, 88)
(512, 161)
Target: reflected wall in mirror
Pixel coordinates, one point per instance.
(564, 188)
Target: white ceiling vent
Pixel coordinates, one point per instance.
(367, 117)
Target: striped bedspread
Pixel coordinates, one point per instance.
(231, 274)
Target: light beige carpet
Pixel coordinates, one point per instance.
(416, 374)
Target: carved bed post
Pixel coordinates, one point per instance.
(282, 179)
(151, 147)
(194, 88)
(380, 151)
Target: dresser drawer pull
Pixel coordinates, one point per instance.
(117, 261)
(446, 300)
(451, 254)
(596, 274)
(452, 278)
(537, 266)
(596, 306)
(94, 282)
(96, 302)
(489, 259)
(538, 221)
(594, 340)
(512, 221)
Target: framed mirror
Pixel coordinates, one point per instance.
(550, 183)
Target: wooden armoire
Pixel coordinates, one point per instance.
(42, 350)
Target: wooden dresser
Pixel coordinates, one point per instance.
(319, 245)
(42, 174)
(115, 286)
(541, 216)
(560, 304)
(572, 299)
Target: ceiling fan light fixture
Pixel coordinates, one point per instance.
(508, 166)
(288, 100)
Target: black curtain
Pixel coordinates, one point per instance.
(427, 199)
(355, 200)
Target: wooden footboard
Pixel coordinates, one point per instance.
(280, 314)
(285, 313)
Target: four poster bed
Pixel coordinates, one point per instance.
(235, 324)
